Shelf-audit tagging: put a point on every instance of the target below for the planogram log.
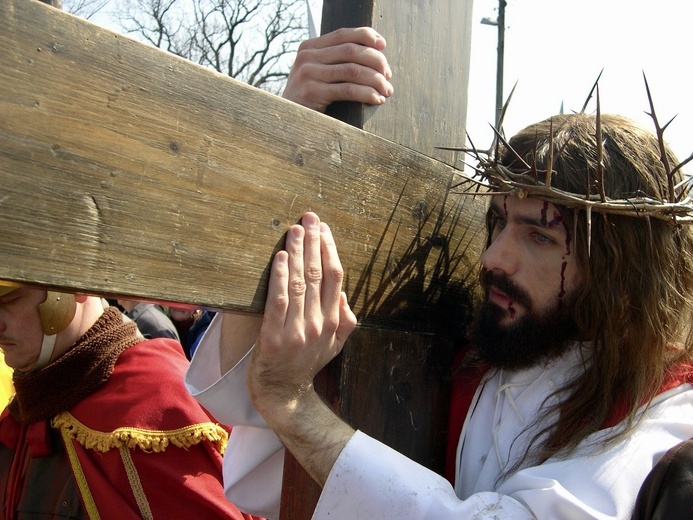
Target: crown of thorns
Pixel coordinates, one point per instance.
(495, 178)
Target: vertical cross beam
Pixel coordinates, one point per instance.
(392, 379)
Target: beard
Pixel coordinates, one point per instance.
(533, 339)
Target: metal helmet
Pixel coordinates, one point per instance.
(56, 312)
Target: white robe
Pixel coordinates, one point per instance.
(370, 480)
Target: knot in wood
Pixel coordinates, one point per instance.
(419, 210)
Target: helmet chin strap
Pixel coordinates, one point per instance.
(57, 312)
(47, 347)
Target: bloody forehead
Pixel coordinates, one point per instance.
(543, 214)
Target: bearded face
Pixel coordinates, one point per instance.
(533, 338)
(530, 277)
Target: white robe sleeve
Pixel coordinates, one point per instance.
(370, 480)
(597, 481)
(254, 457)
(601, 480)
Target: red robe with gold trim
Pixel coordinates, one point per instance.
(139, 446)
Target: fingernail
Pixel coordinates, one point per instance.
(309, 219)
(295, 233)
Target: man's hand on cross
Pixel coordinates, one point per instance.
(306, 322)
(344, 65)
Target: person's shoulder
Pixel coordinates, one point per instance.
(146, 389)
(154, 323)
(161, 356)
(668, 489)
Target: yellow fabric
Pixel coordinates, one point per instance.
(149, 440)
(81, 480)
(6, 386)
(136, 484)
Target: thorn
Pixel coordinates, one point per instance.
(588, 215)
(549, 168)
(501, 116)
(576, 215)
(600, 151)
(662, 148)
(507, 145)
(589, 96)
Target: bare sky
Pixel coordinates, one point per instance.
(555, 49)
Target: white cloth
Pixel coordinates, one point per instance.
(255, 477)
(371, 480)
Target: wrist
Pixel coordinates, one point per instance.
(305, 425)
(315, 436)
(281, 407)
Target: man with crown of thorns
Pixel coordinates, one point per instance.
(578, 377)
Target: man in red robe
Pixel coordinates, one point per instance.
(101, 425)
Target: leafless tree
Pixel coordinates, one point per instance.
(86, 9)
(251, 40)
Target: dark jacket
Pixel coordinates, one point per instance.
(667, 493)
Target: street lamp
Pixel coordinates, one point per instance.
(500, 23)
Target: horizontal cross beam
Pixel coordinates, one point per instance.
(125, 170)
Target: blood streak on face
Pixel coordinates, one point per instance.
(561, 293)
(557, 218)
(544, 210)
(530, 246)
(567, 244)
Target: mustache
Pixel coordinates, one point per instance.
(501, 282)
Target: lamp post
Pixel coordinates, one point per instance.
(500, 23)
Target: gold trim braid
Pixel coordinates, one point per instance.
(147, 440)
(136, 484)
(81, 480)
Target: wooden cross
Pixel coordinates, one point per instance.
(126, 171)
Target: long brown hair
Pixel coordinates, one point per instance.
(636, 306)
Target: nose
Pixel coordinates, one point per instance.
(502, 253)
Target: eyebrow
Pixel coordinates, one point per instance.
(544, 223)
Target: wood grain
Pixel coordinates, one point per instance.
(392, 379)
(125, 170)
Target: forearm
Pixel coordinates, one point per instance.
(238, 334)
(312, 433)
(306, 322)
